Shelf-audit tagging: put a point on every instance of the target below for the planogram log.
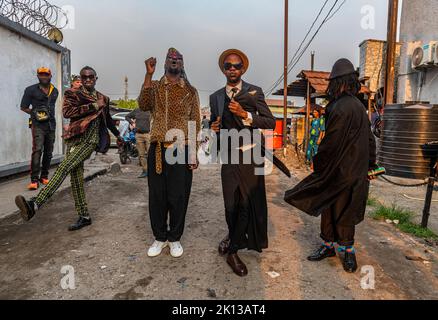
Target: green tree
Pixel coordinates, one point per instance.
(126, 104)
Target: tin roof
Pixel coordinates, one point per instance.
(313, 107)
(318, 80)
(278, 103)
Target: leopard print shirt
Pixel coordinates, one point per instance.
(172, 106)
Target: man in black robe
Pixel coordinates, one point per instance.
(338, 188)
(241, 107)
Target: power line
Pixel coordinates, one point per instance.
(299, 47)
(336, 11)
(314, 36)
(293, 63)
(311, 27)
(327, 18)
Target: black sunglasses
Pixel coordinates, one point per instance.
(237, 66)
(91, 77)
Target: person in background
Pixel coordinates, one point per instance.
(39, 102)
(142, 121)
(205, 123)
(76, 82)
(124, 129)
(317, 130)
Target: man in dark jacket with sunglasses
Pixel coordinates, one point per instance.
(241, 109)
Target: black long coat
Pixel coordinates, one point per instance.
(341, 166)
(242, 176)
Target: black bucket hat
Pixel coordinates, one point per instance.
(342, 67)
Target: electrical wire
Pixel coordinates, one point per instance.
(272, 87)
(296, 59)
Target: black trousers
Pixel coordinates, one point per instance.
(246, 210)
(337, 227)
(237, 217)
(169, 194)
(43, 140)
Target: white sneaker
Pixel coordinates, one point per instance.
(156, 248)
(176, 249)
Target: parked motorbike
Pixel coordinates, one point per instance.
(128, 150)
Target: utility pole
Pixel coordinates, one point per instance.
(312, 61)
(286, 62)
(391, 44)
(126, 88)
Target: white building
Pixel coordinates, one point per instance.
(419, 25)
(21, 53)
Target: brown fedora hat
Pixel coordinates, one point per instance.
(229, 52)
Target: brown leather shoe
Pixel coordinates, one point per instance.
(237, 265)
(224, 246)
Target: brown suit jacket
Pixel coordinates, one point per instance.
(82, 108)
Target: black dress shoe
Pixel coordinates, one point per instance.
(27, 208)
(237, 265)
(224, 246)
(350, 262)
(322, 253)
(81, 223)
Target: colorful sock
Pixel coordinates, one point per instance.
(349, 249)
(328, 245)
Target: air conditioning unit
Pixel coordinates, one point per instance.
(425, 56)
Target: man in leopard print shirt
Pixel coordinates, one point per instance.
(174, 104)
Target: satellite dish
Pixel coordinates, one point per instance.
(55, 35)
(417, 57)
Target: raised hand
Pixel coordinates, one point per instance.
(150, 63)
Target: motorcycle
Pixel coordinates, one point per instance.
(129, 149)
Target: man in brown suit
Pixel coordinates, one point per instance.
(88, 111)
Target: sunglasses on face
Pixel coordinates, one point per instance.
(174, 57)
(90, 77)
(237, 66)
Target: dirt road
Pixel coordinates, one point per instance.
(110, 261)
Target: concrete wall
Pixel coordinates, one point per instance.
(21, 53)
(419, 24)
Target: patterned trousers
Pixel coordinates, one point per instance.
(73, 164)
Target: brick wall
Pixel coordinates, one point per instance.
(373, 63)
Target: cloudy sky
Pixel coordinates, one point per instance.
(116, 36)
